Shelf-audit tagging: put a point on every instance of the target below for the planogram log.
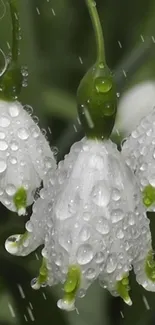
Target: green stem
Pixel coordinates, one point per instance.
(97, 29)
(15, 29)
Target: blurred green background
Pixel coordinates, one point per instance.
(58, 47)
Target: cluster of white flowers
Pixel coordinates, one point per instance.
(93, 224)
(91, 212)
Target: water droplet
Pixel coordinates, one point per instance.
(90, 274)
(3, 146)
(102, 226)
(48, 162)
(109, 108)
(86, 216)
(81, 293)
(103, 85)
(2, 135)
(135, 134)
(14, 146)
(14, 110)
(99, 257)
(84, 233)
(131, 219)
(4, 122)
(117, 215)
(101, 65)
(111, 263)
(10, 189)
(13, 160)
(23, 134)
(50, 223)
(116, 194)
(34, 130)
(28, 109)
(29, 226)
(59, 259)
(101, 194)
(3, 165)
(84, 254)
(55, 150)
(35, 119)
(120, 234)
(24, 71)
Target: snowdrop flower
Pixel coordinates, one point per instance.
(25, 155)
(139, 153)
(89, 216)
(93, 225)
(133, 105)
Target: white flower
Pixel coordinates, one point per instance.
(92, 223)
(139, 153)
(25, 157)
(133, 105)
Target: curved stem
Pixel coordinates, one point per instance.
(15, 29)
(97, 29)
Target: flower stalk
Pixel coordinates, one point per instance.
(97, 30)
(11, 80)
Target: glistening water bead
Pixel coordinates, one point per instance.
(84, 254)
(103, 85)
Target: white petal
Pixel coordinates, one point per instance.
(25, 155)
(134, 104)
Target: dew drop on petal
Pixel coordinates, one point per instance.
(117, 215)
(4, 122)
(119, 234)
(111, 263)
(102, 226)
(14, 110)
(29, 226)
(90, 274)
(10, 189)
(34, 130)
(2, 135)
(116, 194)
(84, 233)
(101, 194)
(23, 134)
(81, 293)
(84, 254)
(14, 146)
(13, 160)
(3, 145)
(3, 165)
(99, 257)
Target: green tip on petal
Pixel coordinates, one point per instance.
(150, 266)
(71, 284)
(43, 274)
(41, 280)
(122, 288)
(20, 200)
(97, 102)
(148, 195)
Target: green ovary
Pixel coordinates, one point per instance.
(148, 195)
(20, 198)
(72, 283)
(150, 267)
(122, 288)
